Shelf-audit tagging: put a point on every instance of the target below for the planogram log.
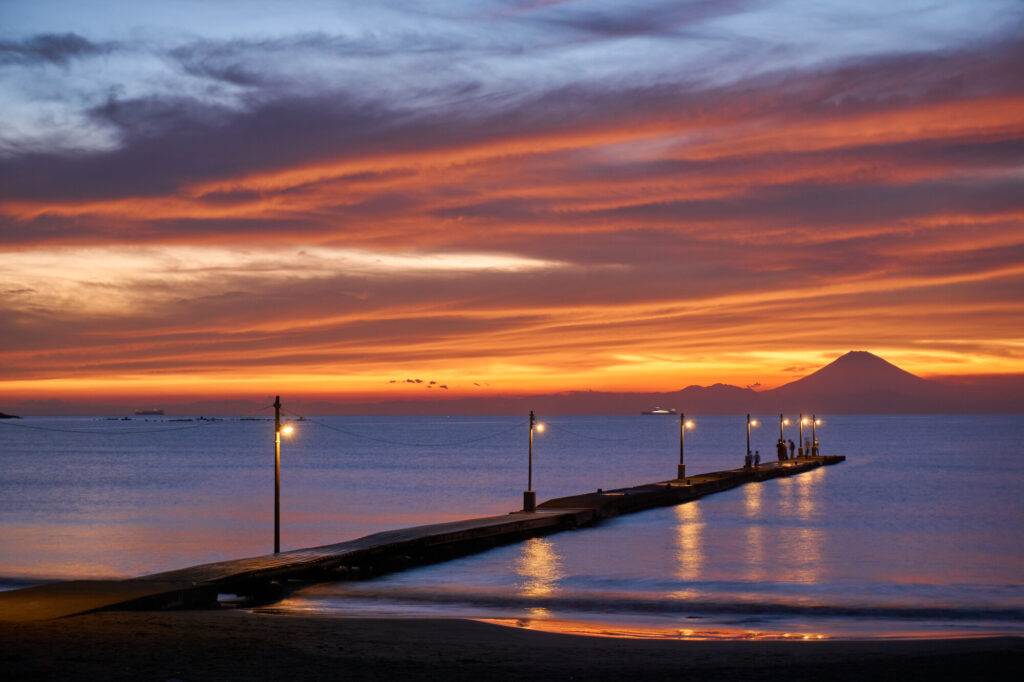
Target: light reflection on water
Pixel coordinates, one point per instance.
(688, 531)
(539, 566)
(905, 539)
(843, 551)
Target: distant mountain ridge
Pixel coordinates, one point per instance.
(858, 371)
(857, 382)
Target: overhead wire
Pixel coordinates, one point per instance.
(388, 441)
(561, 428)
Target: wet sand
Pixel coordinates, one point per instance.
(238, 645)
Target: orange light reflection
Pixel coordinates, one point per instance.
(690, 552)
(540, 568)
(636, 631)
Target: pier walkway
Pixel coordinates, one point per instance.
(265, 577)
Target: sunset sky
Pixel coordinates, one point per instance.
(216, 198)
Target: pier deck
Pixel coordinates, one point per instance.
(265, 576)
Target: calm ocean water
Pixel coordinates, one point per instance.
(918, 533)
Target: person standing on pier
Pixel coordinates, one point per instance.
(814, 448)
(792, 449)
(780, 449)
(757, 459)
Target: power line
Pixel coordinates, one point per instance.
(561, 428)
(406, 443)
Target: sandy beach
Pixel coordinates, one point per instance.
(238, 645)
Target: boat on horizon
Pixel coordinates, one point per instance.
(659, 411)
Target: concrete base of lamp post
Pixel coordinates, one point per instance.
(682, 471)
(529, 500)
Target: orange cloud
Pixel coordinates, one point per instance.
(656, 239)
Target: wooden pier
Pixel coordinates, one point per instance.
(266, 577)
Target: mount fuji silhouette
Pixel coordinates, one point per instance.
(859, 382)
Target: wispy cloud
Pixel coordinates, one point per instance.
(50, 48)
(526, 194)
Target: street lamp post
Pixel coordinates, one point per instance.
(783, 422)
(683, 425)
(529, 495)
(800, 450)
(277, 471)
(750, 423)
(277, 475)
(814, 434)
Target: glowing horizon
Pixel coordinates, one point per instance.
(505, 198)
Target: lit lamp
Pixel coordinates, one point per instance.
(529, 496)
(278, 430)
(683, 425)
(750, 423)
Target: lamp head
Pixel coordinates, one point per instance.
(689, 424)
(539, 426)
(287, 429)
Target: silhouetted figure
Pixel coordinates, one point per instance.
(780, 448)
(792, 449)
(814, 450)
(807, 447)
(757, 458)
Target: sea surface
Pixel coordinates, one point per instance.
(918, 533)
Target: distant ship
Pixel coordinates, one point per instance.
(659, 410)
(148, 413)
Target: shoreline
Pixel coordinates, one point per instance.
(240, 645)
(721, 633)
(728, 627)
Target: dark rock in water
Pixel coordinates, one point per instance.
(9, 416)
